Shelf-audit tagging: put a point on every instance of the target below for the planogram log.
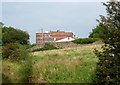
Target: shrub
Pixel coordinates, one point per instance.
(33, 45)
(109, 58)
(47, 46)
(26, 62)
(18, 54)
(28, 46)
(85, 40)
(10, 50)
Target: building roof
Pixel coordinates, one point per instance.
(54, 32)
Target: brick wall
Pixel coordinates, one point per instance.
(52, 36)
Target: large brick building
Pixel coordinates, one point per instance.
(53, 36)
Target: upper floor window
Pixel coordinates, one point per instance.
(45, 38)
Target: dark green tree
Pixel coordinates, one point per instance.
(1, 25)
(11, 35)
(108, 67)
(96, 32)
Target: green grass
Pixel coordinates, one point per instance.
(70, 65)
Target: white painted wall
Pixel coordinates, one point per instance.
(65, 39)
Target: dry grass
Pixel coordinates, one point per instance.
(66, 63)
(69, 65)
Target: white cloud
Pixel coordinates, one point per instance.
(55, 0)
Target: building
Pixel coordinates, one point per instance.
(54, 36)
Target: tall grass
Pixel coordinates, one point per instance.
(73, 65)
(70, 65)
(18, 70)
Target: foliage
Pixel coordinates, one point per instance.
(15, 42)
(25, 73)
(20, 66)
(11, 35)
(109, 58)
(70, 65)
(47, 46)
(1, 25)
(34, 45)
(85, 40)
(96, 32)
(11, 51)
(29, 46)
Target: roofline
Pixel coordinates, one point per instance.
(54, 31)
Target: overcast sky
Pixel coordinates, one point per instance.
(55, 0)
(77, 17)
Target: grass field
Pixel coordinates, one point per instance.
(70, 65)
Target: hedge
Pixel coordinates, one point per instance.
(47, 46)
(85, 40)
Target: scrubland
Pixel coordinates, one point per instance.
(69, 65)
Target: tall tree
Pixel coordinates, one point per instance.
(12, 35)
(108, 67)
(1, 25)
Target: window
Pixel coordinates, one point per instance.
(41, 39)
(45, 38)
(50, 35)
(68, 38)
(49, 38)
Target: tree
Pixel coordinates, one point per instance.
(109, 58)
(11, 35)
(96, 32)
(1, 25)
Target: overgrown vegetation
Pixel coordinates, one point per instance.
(18, 69)
(14, 54)
(11, 50)
(109, 58)
(85, 40)
(47, 46)
(70, 65)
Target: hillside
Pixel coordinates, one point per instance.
(66, 44)
(68, 65)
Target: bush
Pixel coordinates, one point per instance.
(85, 40)
(26, 62)
(21, 57)
(11, 50)
(33, 45)
(47, 46)
(109, 58)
